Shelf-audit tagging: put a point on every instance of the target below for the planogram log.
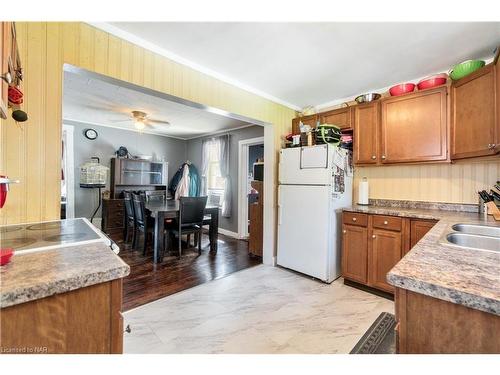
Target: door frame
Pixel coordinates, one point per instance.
(243, 146)
(69, 173)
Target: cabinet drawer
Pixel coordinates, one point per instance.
(387, 222)
(354, 218)
(115, 222)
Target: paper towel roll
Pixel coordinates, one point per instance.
(363, 191)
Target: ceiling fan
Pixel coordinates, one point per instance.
(141, 120)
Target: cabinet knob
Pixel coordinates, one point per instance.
(128, 329)
(344, 231)
(383, 157)
(373, 236)
(386, 222)
(491, 146)
(374, 157)
(354, 219)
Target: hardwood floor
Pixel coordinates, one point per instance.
(148, 282)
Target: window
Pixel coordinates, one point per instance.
(215, 183)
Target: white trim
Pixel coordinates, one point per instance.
(228, 130)
(270, 173)
(229, 233)
(69, 151)
(242, 182)
(116, 31)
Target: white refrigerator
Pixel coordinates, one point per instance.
(315, 183)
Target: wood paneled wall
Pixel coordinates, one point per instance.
(454, 183)
(31, 151)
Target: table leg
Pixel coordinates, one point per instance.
(158, 243)
(213, 231)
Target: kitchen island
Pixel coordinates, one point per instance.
(62, 300)
(447, 297)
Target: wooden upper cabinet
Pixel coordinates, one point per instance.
(385, 251)
(366, 128)
(474, 116)
(355, 253)
(341, 117)
(414, 127)
(310, 120)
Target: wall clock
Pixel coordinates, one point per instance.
(90, 134)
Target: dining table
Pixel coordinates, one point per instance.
(169, 209)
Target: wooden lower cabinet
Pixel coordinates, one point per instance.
(86, 320)
(385, 250)
(373, 244)
(418, 229)
(354, 254)
(428, 325)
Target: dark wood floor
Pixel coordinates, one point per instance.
(148, 281)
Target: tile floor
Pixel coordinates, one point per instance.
(262, 309)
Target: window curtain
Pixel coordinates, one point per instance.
(224, 172)
(205, 158)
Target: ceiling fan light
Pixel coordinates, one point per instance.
(139, 125)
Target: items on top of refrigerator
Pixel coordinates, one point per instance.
(327, 133)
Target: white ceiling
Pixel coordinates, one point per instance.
(303, 64)
(95, 102)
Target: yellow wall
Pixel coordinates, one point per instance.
(31, 151)
(455, 183)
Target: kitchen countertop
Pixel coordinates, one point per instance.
(463, 276)
(36, 275)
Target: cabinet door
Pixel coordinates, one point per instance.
(341, 117)
(355, 253)
(474, 124)
(310, 120)
(385, 252)
(414, 127)
(418, 229)
(366, 125)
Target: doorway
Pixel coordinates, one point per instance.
(250, 162)
(68, 173)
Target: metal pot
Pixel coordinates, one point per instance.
(366, 98)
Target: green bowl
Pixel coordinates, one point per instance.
(464, 69)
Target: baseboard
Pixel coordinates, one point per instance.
(229, 233)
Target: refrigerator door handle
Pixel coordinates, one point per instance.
(279, 215)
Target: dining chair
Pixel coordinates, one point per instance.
(129, 217)
(191, 212)
(143, 222)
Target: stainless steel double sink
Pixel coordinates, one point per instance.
(475, 236)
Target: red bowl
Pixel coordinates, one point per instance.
(5, 255)
(432, 81)
(401, 89)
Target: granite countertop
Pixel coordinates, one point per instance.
(464, 276)
(36, 275)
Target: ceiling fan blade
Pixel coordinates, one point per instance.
(158, 121)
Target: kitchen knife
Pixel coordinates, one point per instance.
(484, 196)
(495, 194)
